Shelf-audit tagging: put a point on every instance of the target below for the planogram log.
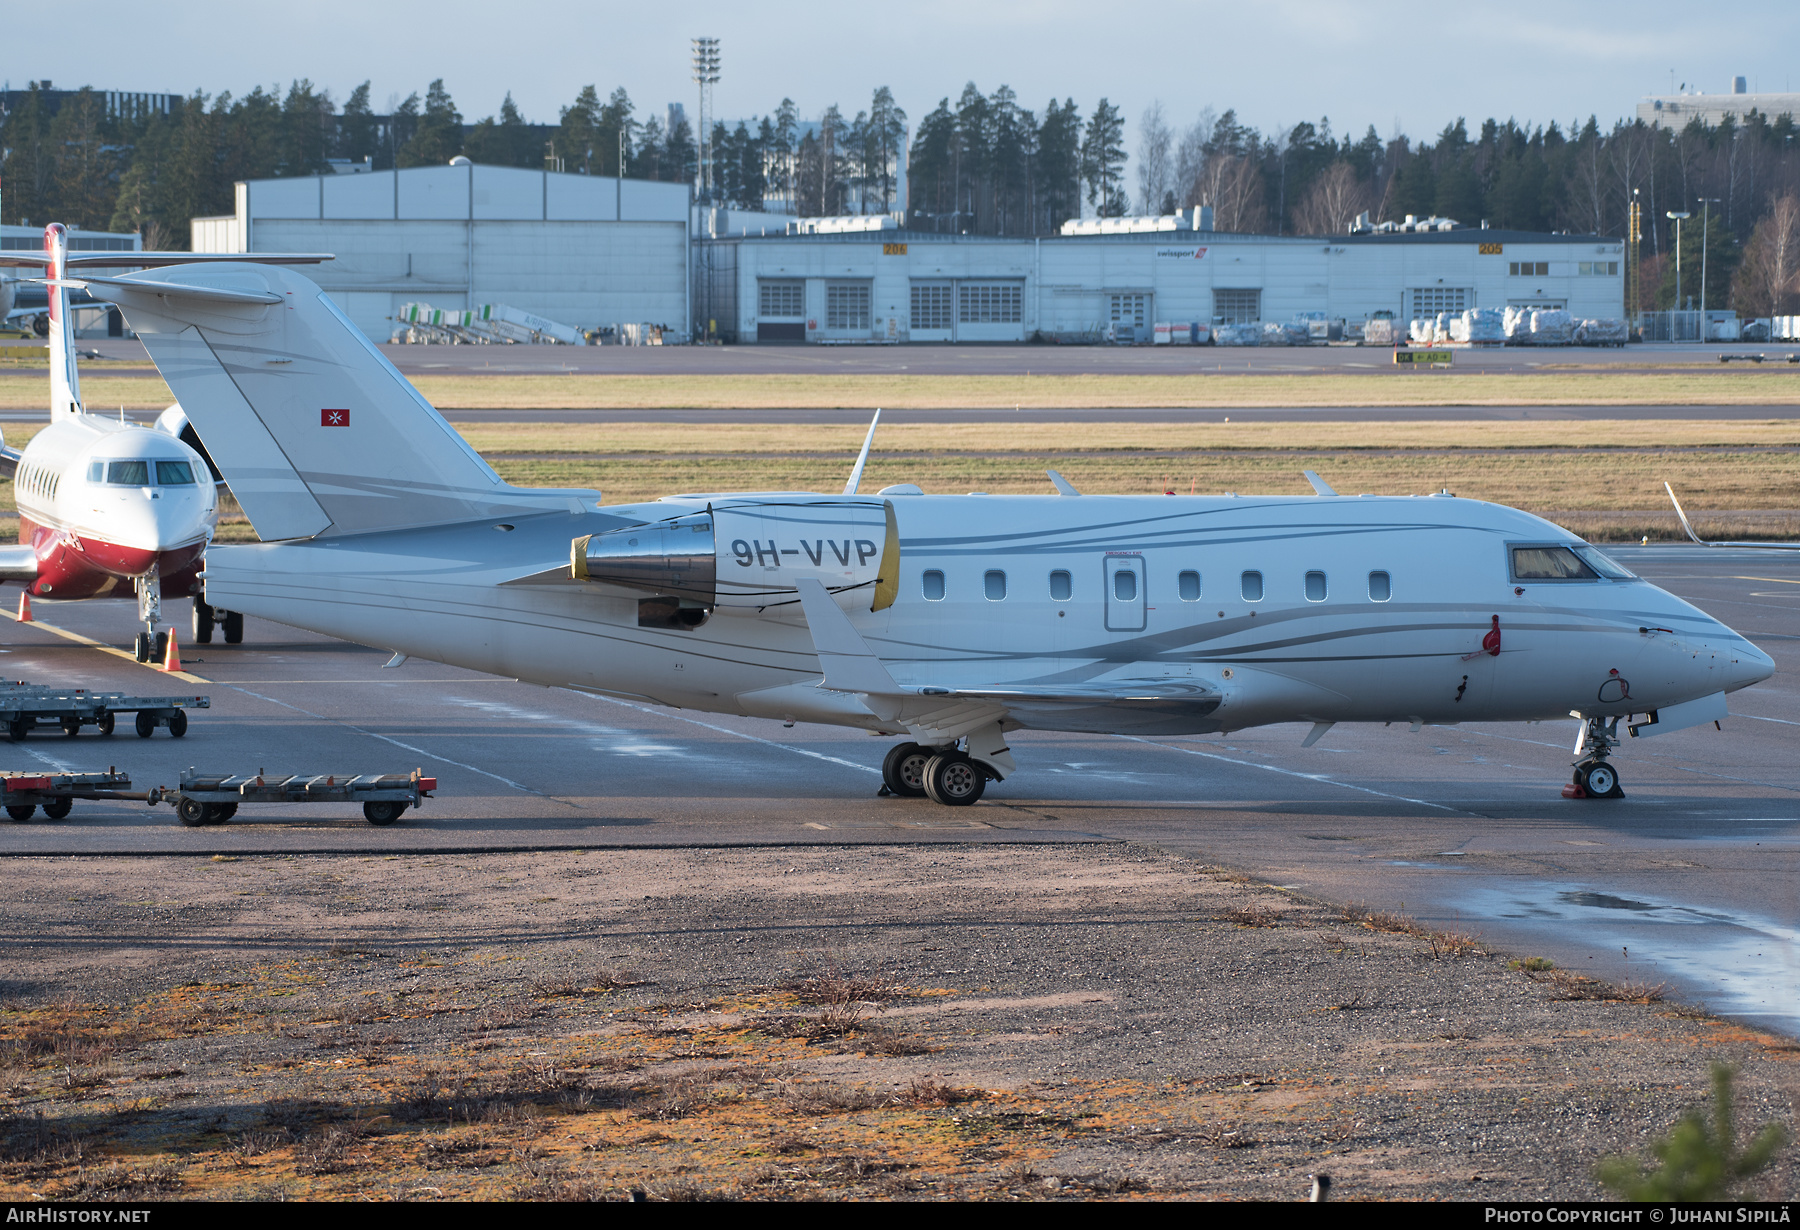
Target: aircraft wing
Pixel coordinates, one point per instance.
(1763, 546)
(939, 713)
(18, 563)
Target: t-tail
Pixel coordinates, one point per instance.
(317, 433)
(65, 381)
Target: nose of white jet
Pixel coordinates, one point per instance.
(1745, 665)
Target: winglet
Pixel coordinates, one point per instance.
(1319, 485)
(1063, 485)
(1683, 516)
(862, 458)
(848, 662)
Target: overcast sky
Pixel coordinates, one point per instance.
(1414, 66)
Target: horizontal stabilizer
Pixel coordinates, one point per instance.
(179, 290)
(161, 260)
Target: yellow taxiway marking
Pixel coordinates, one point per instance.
(1773, 580)
(91, 643)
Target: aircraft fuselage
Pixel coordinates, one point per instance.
(1267, 609)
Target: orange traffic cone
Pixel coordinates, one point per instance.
(25, 606)
(172, 659)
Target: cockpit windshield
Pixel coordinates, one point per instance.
(1565, 563)
(1604, 564)
(137, 473)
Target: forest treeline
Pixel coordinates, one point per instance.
(981, 164)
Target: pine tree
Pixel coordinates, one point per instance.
(1103, 161)
(439, 137)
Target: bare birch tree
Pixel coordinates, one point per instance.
(1155, 170)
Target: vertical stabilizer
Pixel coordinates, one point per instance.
(65, 383)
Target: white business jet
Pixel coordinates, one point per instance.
(105, 504)
(948, 620)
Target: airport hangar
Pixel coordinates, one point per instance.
(591, 251)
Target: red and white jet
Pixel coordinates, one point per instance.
(103, 503)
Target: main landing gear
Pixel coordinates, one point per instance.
(1595, 778)
(206, 618)
(941, 774)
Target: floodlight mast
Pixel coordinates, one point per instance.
(1677, 216)
(706, 75)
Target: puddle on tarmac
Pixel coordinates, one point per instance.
(1737, 964)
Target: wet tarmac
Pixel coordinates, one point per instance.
(1690, 880)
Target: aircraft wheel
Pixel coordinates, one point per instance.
(192, 813)
(141, 647)
(159, 651)
(20, 812)
(146, 724)
(56, 809)
(904, 770)
(1601, 781)
(104, 723)
(203, 623)
(382, 813)
(71, 726)
(954, 780)
(234, 628)
(18, 728)
(177, 724)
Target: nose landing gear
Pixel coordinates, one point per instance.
(150, 645)
(1594, 777)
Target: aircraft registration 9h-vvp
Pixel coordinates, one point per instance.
(950, 621)
(105, 505)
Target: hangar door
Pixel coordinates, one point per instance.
(780, 310)
(988, 310)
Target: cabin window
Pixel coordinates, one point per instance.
(174, 474)
(128, 473)
(1189, 585)
(1251, 586)
(995, 585)
(1125, 585)
(934, 585)
(1380, 587)
(96, 471)
(1060, 586)
(1315, 587)
(1550, 564)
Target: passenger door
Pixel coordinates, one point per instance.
(1124, 577)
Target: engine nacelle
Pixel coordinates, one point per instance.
(744, 558)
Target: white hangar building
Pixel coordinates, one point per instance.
(918, 287)
(581, 250)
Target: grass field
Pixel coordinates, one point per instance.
(23, 388)
(1602, 479)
